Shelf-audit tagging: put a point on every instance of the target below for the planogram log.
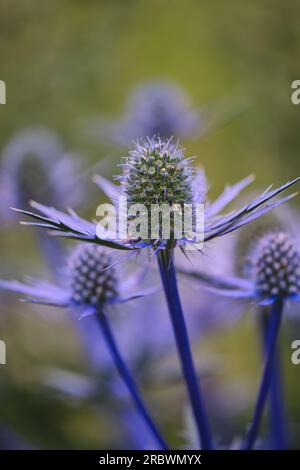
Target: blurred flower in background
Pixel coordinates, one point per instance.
(155, 108)
(35, 166)
(162, 108)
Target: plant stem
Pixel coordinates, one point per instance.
(275, 321)
(168, 277)
(276, 406)
(128, 379)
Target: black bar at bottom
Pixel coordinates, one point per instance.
(136, 459)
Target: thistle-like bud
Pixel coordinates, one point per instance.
(92, 278)
(28, 161)
(275, 266)
(35, 165)
(156, 172)
(161, 108)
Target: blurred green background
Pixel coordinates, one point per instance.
(64, 61)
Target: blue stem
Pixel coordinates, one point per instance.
(168, 277)
(137, 431)
(275, 321)
(127, 378)
(279, 436)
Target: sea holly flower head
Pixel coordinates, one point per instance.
(271, 272)
(157, 172)
(92, 277)
(89, 284)
(274, 266)
(157, 179)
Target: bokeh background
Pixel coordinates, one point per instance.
(66, 61)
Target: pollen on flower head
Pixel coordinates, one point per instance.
(275, 265)
(92, 277)
(156, 172)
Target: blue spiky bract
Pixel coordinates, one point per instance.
(92, 277)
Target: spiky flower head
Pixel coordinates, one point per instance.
(282, 219)
(156, 172)
(92, 277)
(274, 264)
